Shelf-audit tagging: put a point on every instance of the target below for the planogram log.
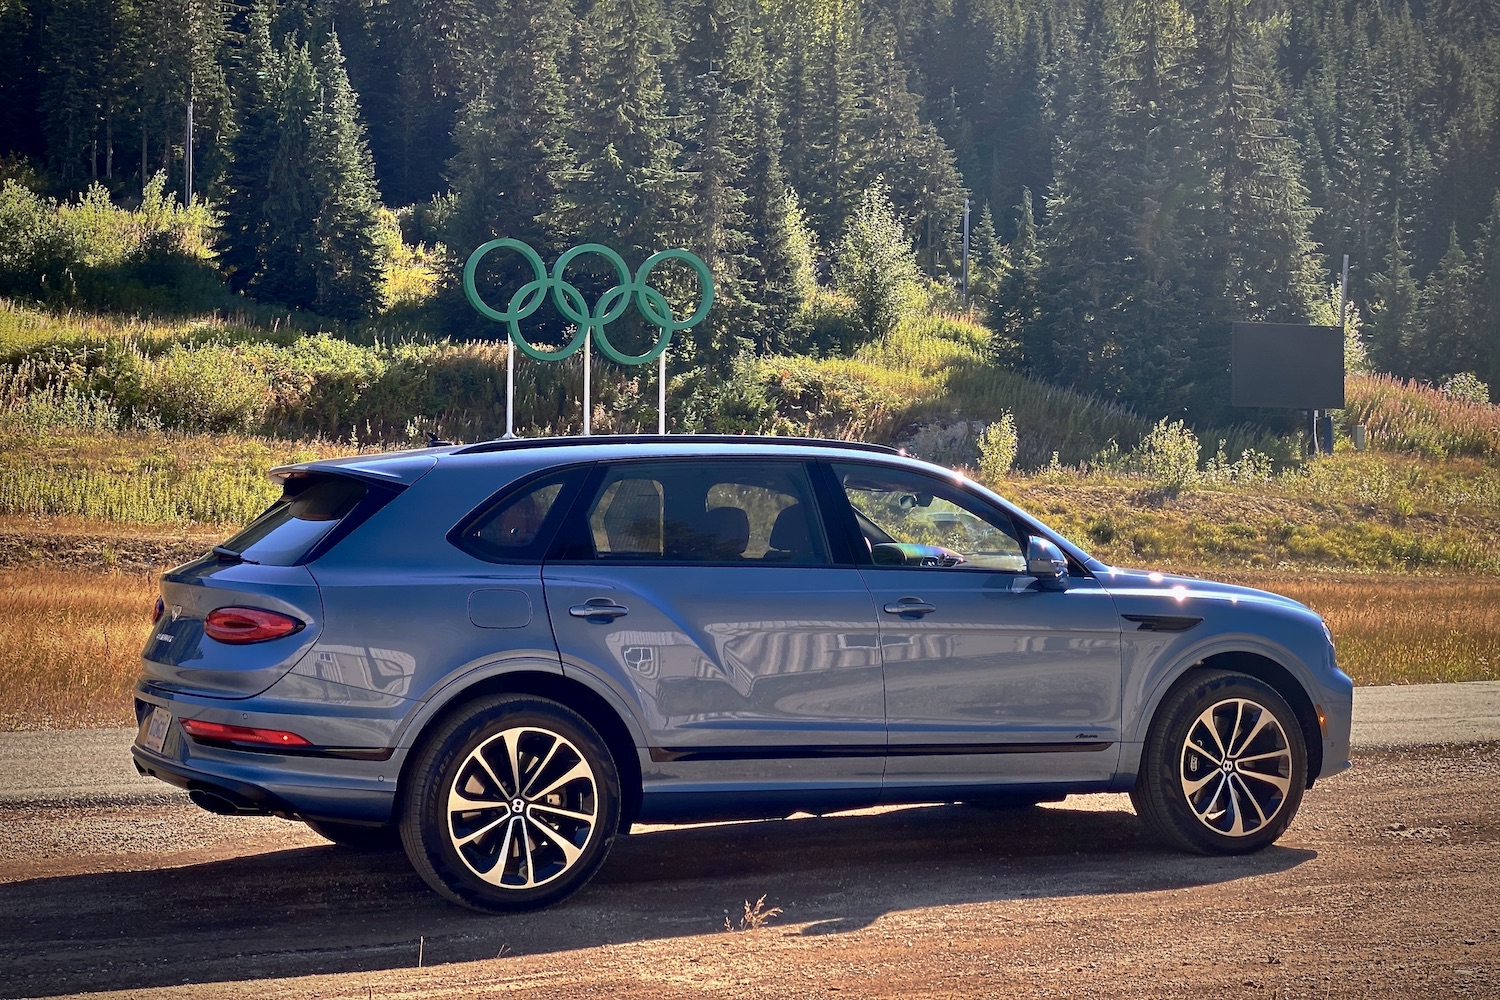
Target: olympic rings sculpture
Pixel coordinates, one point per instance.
(611, 306)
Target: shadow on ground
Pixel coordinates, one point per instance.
(327, 910)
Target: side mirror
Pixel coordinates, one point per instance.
(1045, 561)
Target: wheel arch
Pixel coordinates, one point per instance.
(1275, 675)
(572, 694)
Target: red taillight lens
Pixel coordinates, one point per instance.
(214, 732)
(156, 612)
(241, 625)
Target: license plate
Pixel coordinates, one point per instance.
(153, 732)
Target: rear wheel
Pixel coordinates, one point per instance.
(1224, 765)
(512, 804)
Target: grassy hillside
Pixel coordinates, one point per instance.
(173, 424)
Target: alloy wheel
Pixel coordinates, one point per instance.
(1236, 767)
(522, 808)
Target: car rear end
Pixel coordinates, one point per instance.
(218, 709)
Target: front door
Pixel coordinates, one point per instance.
(990, 681)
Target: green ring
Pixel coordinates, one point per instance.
(607, 347)
(472, 293)
(651, 303)
(705, 283)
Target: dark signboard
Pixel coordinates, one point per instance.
(1287, 365)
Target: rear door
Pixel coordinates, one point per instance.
(706, 592)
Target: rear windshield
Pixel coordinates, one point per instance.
(309, 510)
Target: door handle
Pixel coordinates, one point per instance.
(910, 606)
(599, 607)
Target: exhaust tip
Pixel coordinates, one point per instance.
(224, 803)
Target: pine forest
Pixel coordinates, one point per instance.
(1139, 174)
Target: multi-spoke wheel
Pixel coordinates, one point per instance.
(1224, 765)
(513, 805)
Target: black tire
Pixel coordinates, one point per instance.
(357, 838)
(544, 831)
(1194, 794)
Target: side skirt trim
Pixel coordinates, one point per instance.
(662, 755)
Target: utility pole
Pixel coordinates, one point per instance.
(966, 254)
(187, 155)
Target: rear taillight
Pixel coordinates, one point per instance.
(241, 625)
(156, 612)
(214, 732)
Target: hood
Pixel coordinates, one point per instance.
(1142, 583)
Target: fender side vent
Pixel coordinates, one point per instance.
(1162, 623)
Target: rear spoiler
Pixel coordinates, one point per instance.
(400, 471)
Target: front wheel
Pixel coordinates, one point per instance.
(1224, 765)
(512, 804)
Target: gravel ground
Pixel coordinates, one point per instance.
(1385, 886)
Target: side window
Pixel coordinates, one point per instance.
(515, 527)
(707, 511)
(911, 520)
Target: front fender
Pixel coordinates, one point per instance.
(1148, 683)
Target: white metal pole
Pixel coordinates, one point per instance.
(966, 253)
(588, 406)
(510, 389)
(1344, 293)
(661, 395)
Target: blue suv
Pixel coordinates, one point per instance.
(507, 653)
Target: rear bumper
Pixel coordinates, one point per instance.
(332, 786)
(249, 787)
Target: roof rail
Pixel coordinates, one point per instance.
(522, 444)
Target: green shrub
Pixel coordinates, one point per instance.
(1168, 455)
(1466, 387)
(997, 448)
(90, 252)
(211, 388)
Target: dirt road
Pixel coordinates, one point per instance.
(1388, 885)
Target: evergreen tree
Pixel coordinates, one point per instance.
(507, 173)
(905, 153)
(286, 271)
(823, 167)
(1449, 344)
(184, 46)
(778, 265)
(344, 245)
(1092, 268)
(20, 80)
(259, 81)
(1486, 300)
(625, 190)
(1019, 335)
(874, 265)
(986, 258)
(1393, 309)
(87, 79)
(719, 62)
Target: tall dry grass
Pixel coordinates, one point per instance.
(71, 644)
(1403, 629)
(1403, 415)
(71, 640)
